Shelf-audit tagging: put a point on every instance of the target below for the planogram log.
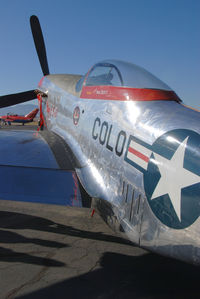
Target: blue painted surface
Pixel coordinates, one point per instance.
(29, 171)
(38, 185)
(25, 148)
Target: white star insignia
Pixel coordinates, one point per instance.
(174, 177)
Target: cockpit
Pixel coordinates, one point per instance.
(104, 74)
(125, 77)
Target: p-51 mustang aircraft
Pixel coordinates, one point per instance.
(132, 146)
(15, 118)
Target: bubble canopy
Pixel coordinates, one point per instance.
(120, 73)
(119, 80)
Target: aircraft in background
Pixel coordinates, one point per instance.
(15, 118)
(127, 141)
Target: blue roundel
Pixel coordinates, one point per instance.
(172, 179)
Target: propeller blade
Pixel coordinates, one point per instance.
(13, 99)
(39, 44)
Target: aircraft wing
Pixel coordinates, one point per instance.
(37, 167)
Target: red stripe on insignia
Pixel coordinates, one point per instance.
(138, 154)
(116, 93)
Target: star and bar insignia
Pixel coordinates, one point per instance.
(171, 171)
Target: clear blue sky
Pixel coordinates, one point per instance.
(162, 36)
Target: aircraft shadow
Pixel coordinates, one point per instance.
(12, 237)
(11, 256)
(11, 220)
(24, 221)
(121, 276)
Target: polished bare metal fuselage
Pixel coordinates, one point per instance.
(99, 141)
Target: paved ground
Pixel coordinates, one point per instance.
(51, 251)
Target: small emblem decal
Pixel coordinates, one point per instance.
(76, 115)
(171, 168)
